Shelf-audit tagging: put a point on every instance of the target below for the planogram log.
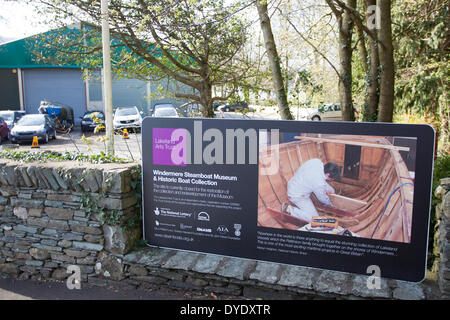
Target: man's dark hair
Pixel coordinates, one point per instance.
(333, 170)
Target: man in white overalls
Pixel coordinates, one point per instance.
(311, 177)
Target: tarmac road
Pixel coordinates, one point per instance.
(14, 289)
(87, 143)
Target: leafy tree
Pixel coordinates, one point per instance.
(422, 59)
(274, 60)
(195, 42)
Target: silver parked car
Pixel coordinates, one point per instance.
(31, 125)
(168, 112)
(127, 117)
(326, 112)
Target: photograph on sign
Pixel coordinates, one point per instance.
(356, 186)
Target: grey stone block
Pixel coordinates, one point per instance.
(268, 272)
(360, 288)
(19, 202)
(119, 241)
(52, 232)
(72, 236)
(208, 263)
(334, 282)
(181, 260)
(62, 257)
(48, 174)
(110, 268)
(34, 263)
(30, 170)
(38, 222)
(27, 229)
(20, 212)
(89, 177)
(87, 246)
(76, 253)
(39, 254)
(59, 179)
(59, 213)
(408, 291)
(58, 225)
(149, 257)
(236, 268)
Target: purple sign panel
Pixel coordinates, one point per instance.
(169, 146)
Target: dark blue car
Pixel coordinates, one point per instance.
(31, 125)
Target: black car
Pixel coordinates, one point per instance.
(33, 125)
(233, 107)
(91, 119)
(192, 110)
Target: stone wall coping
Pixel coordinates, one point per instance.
(69, 164)
(67, 175)
(274, 276)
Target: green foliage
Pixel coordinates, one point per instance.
(45, 156)
(441, 170)
(90, 204)
(195, 42)
(422, 57)
(304, 83)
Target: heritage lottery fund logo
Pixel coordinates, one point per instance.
(177, 147)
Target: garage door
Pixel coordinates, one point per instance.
(9, 90)
(58, 85)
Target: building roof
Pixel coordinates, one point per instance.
(21, 54)
(40, 51)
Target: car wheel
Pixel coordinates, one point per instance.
(54, 135)
(316, 118)
(46, 138)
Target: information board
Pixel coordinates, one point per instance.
(331, 195)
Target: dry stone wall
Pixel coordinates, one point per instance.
(53, 215)
(442, 237)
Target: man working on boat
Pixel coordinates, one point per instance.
(311, 177)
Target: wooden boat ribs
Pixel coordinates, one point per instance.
(373, 198)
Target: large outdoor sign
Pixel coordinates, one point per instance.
(331, 195)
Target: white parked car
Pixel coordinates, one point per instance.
(127, 117)
(167, 112)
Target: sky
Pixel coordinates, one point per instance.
(18, 20)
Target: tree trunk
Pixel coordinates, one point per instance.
(385, 50)
(274, 60)
(206, 99)
(345, 56)
(373, 74)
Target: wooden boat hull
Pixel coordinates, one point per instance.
(373, 201)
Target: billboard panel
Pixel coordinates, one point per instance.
(339, 196)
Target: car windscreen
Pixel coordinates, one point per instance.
(126, 112)
(90, 116)
(165, 112)
(31, 121)
(7, 116)
(163, 105)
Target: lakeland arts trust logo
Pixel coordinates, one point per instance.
(166, 141)
(176, 146)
